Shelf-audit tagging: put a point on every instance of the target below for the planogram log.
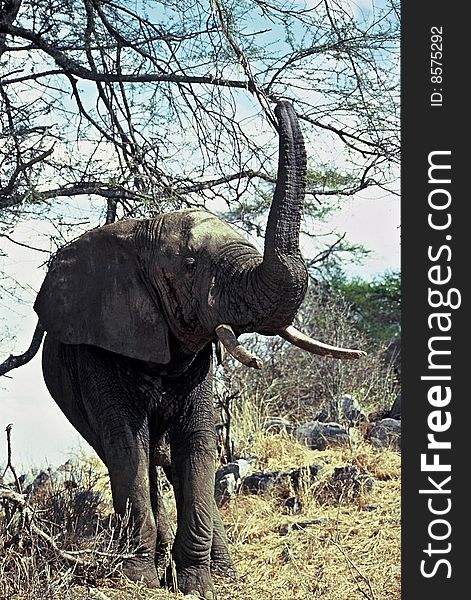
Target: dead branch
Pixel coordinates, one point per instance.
(28, 516)
(73, 68)
(9, 462)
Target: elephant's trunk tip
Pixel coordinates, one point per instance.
(229, 340)
(300, 340)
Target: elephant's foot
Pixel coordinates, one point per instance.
(196, 581)
(221, 562)
(143, 571)
(223, 568)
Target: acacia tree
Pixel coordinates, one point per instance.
(143, 106)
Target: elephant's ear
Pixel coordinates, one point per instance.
(95, 293)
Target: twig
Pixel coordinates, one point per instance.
(73, 68)
(28, 516)
(352, 566)
(10, 239)
(244, 62)
(9, 463)
(69, 556)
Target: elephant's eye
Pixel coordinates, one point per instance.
(190, 263)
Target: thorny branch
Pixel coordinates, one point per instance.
(28, 517)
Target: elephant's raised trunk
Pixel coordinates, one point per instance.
(281, 278)
(284, 219)
(282, 275)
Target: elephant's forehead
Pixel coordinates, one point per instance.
(196, 230)
(208, 229)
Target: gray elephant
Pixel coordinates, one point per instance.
(131, 311)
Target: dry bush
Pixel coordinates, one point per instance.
(59, 534)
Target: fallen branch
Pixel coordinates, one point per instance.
(28, 517)
(73, 556)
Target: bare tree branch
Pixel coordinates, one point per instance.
(73, 68)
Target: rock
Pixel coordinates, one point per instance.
(264, 481)
(385, 433)
(229, 479)
(261, 481)
(25, 480)
(392, 356)
(346, 483)
(296, 475)
(277, 424)
(323, 416)
(350, 411)
(318, 436)
(395, 412)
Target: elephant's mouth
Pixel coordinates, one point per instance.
(229, 340)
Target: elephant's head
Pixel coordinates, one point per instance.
(136, 286)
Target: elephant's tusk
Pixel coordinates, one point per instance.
(295, 337)
(229, 340)
(220, 352)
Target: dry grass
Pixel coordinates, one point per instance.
(339, 547)
(335, 550)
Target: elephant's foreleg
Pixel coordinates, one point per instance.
(129, 476)
(193, 458)
(221, 561)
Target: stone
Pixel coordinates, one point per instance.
(395, 412)
(346, 484)
(229, 479)
(318, 436)
(264, 481)
(351, 412)
(277, 424)
(385, 433)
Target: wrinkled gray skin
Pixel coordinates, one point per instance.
(130, 311)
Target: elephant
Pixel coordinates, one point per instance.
(132, 311)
